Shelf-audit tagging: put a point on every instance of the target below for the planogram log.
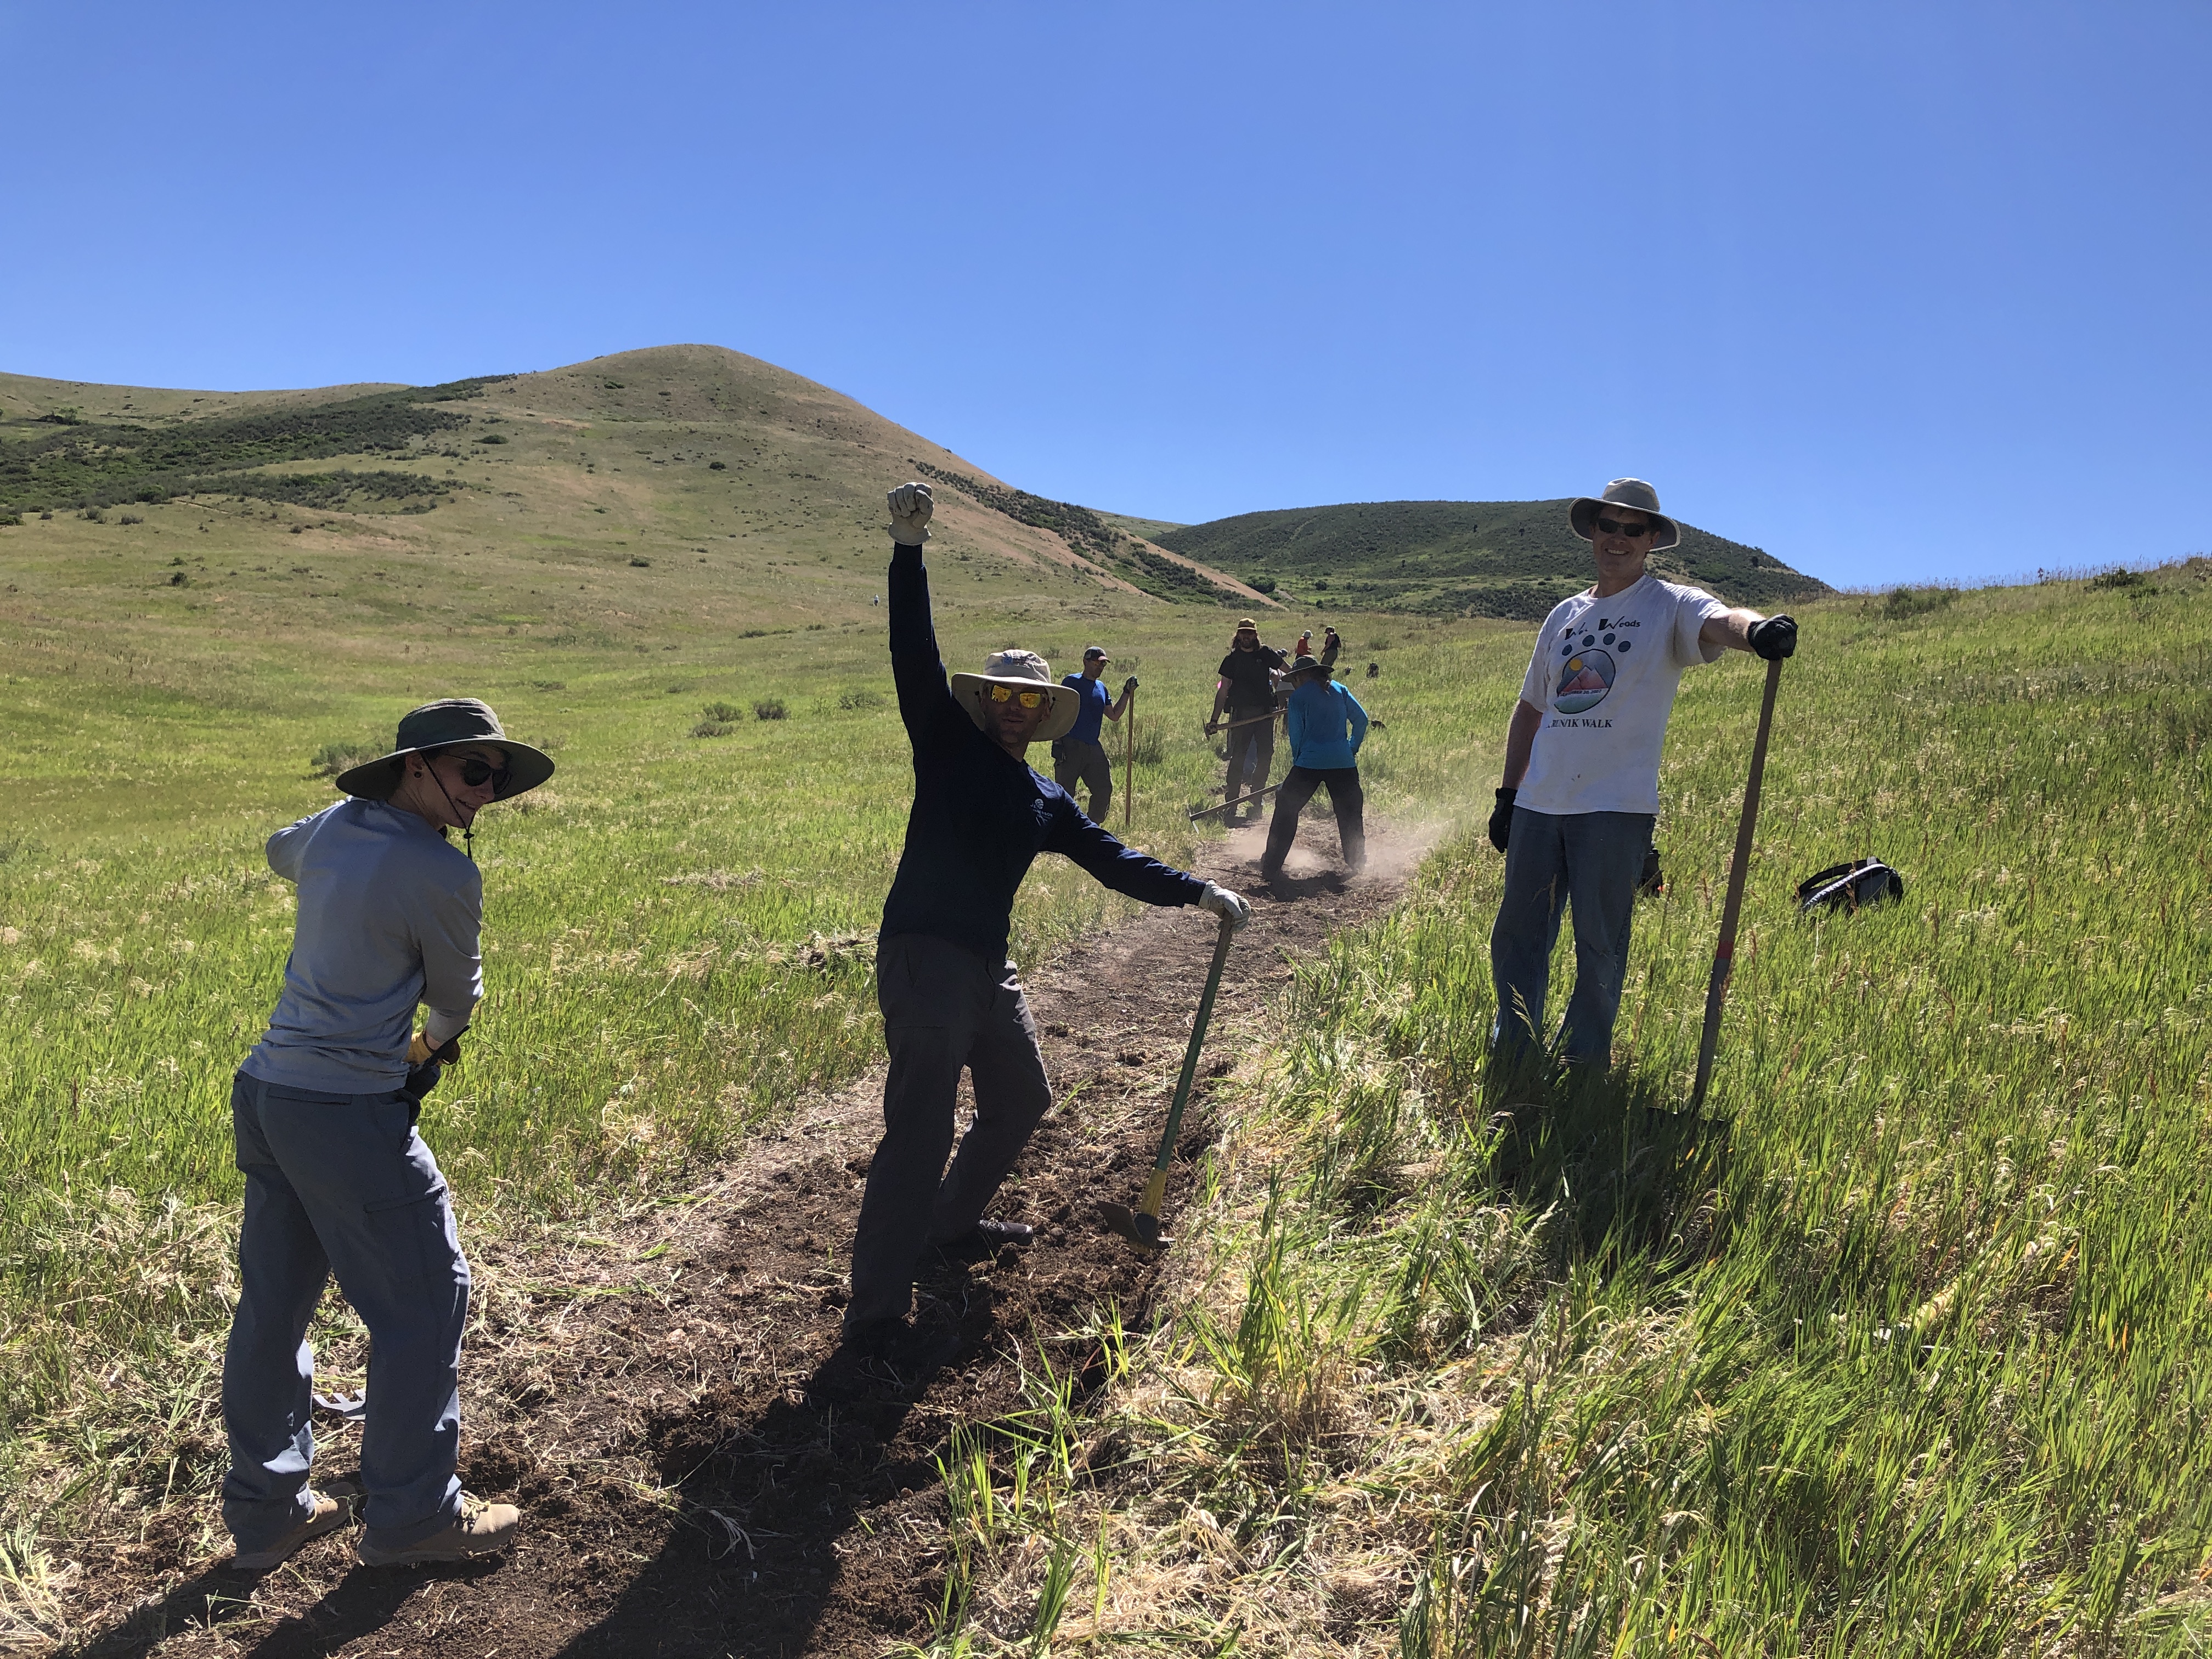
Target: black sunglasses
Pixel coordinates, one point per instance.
(1614, 527)
(477, 772)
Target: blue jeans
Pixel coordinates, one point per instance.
(1592, 859)
(342, 1183)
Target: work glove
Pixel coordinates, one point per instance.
(1501, 818)
(1223, 903)
(1774, 638)
(1128, 685)
(426, 1065)
(911, 505)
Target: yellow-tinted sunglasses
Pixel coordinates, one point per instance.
(1027, 699)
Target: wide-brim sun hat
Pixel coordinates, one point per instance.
(440, 726)
(1633, 493)
(1024, 670)
(1309, 665)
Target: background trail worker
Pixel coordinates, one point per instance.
(1244, 691)
(1077, 757)
(337, 1178)
(1581, 788)
(949, 998)
(1326, 726)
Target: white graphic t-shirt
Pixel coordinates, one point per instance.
(1604, 672)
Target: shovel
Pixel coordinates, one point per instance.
(1141, 1226)
(1724, 950)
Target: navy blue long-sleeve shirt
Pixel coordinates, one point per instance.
(980, 817)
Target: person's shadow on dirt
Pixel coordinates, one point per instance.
(365, 1600)
(1287, 889)
(771, 1488)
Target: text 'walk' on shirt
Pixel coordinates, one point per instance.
(980, 815)
(1090, 711)
(1604, 673)
(390, 916)
(1325, 724)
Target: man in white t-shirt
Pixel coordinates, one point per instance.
(1581, 788)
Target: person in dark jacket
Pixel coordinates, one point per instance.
(950, 1000)
(1246, 702)
(1326, 726)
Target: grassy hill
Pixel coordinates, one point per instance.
(683, 490)
(1456, 558)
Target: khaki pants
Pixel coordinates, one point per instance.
(945, 1008)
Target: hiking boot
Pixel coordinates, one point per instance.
(331, 1511)
(988, 1235)
(479, 1530)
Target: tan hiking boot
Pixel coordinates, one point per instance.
(479, 1530)
(333, 1509)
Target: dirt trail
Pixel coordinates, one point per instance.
(695, 1480)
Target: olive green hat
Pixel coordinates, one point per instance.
(440, 725)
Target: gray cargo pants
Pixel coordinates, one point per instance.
(945, 1008)
(342, 1184)
(1073, 762)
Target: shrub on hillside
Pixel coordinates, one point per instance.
(862, 699)
(94, 515)
(10, 520)
(1917, 601)
(713, 729)
(636, 563)
(721, 711)
(2119, 576)
(131, 518)
(1260, 584)
(492, 438)
(770, 709)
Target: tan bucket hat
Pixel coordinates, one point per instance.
(1582, 513)
(1026, 671)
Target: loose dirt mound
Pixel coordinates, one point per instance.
(697, 1477)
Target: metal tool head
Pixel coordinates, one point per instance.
(1139, 1227)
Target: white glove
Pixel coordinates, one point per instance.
(910, 506)
(1223, 903)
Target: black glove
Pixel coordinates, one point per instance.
(1774, 638)
(1501, 818)
(423, 1077)
(1128, 685)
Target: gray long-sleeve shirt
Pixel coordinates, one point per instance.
(389, 916)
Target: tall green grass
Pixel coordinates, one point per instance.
(1897, 1351)
(678, 934)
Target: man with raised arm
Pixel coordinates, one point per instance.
(1581, 789)
(950, 1000)
(337, 1181)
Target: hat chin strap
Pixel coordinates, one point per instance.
(468, 836)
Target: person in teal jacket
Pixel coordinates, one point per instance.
(1326, 726)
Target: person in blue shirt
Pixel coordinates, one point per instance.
(1079, 757)
(1326, 726)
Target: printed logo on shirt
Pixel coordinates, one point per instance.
(1589, 669)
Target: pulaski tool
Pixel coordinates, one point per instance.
(1141, 1226)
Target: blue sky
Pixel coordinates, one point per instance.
(1896, 291)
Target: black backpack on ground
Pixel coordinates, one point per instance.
(1850, 886)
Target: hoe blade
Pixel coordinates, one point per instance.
(1139, 1227)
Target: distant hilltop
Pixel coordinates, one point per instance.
(664, 452)
(1456, 558)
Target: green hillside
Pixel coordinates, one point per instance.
(1456, 558)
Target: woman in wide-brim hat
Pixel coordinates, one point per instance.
(338, 1181)
(1017, 673)
(1633, 494)
(444, 725)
